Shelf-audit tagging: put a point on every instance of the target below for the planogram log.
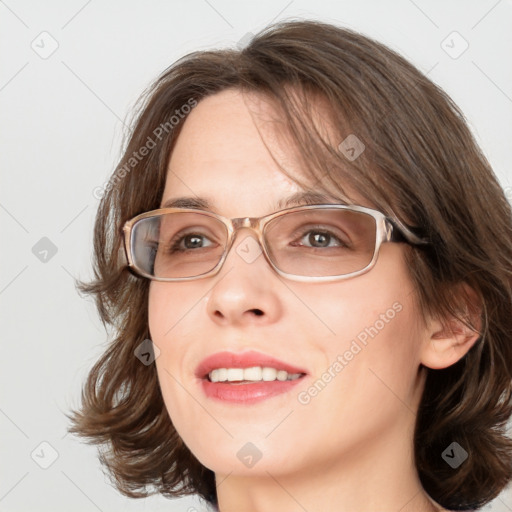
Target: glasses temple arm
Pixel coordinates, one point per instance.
(403, 233)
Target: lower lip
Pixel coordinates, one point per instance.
(247, 393)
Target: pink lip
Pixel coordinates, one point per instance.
(244, 393)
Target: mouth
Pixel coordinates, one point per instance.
(248, 366)
(246, 377)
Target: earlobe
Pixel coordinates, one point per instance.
(447, 342)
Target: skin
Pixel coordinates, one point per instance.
(350, 448)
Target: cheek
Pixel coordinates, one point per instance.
(369, 325)
(161, 309)
(366, 379)
(365, 310)
(171, 310)
(163, 320)
(170, 307)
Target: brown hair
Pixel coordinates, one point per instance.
(421, 165)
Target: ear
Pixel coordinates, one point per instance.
(448, 340)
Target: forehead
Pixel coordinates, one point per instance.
(220, 155)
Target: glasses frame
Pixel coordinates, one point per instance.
(387, 230)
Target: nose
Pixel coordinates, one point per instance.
(247, 289)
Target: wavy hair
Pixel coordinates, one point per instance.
(421, 165)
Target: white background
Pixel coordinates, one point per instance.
(61, 122)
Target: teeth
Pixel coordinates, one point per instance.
(235, 374)
(269, 374)
(282, 375)
(254, 374)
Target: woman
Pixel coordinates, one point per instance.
(362, 362)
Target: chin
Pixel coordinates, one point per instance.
(246, 454)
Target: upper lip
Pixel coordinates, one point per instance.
(246, 359)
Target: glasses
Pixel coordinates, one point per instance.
(313, 243)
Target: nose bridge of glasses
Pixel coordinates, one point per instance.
(248, 252)
(249, 223)
(252, 223)
(243, 222)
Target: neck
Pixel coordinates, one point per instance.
(380, 475)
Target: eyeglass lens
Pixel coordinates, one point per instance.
(313, 242)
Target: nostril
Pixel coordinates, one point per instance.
(257, 312)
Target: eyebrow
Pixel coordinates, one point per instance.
(297, 199)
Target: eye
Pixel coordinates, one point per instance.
(190, 241)
(320, 238)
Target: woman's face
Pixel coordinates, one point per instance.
(358, 340)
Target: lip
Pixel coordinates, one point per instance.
(242, 360)
(250, 392)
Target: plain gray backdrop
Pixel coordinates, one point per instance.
(70, 73)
